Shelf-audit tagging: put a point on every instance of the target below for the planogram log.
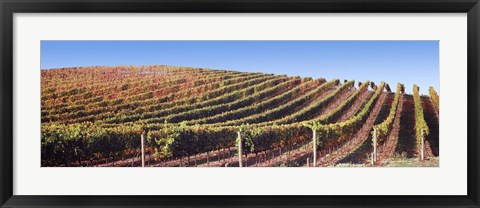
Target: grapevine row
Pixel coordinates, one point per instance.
(282, 110)
(310, 110)
(173, 81)
(420, 123)
(335, 114)
(237, 99)
(261, 106)
(108, 109)
(107, 105)
(435, 97)
(385, 127)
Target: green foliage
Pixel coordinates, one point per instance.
(314, 126)
(167, 139)
(268, 137)
(248, 135)
(183, 140)
(63, 144)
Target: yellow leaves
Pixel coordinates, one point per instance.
(420, 123)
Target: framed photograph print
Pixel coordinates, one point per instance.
(268, 103)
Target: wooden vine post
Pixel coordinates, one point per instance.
(374, 158)
(423, 148)
(143, 148)
(239, 149)
(314, 147)
(208, 158)
(314, 126)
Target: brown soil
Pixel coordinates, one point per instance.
(406, 135)
(432, 119)
(388, 149)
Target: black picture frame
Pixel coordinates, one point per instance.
(9, 7)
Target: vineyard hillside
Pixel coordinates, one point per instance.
(184, 116)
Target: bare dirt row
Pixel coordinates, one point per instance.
(355, 142)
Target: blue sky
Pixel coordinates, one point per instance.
(408, 62)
